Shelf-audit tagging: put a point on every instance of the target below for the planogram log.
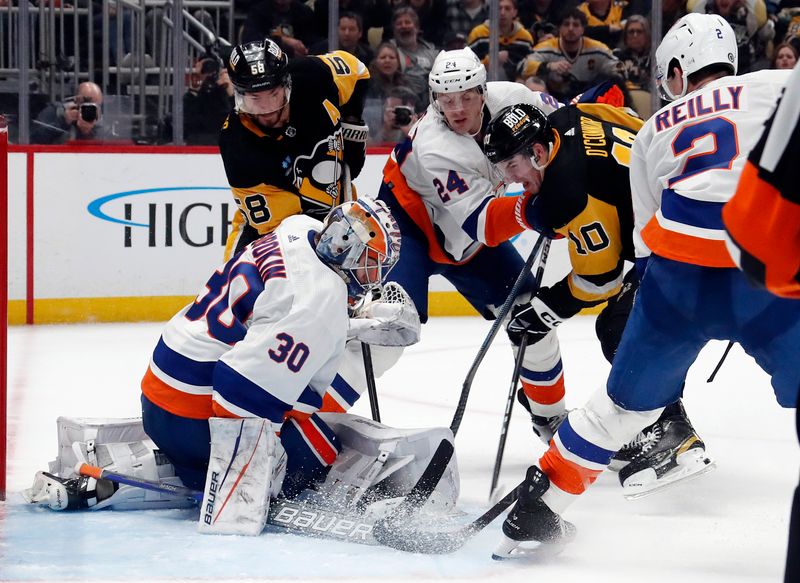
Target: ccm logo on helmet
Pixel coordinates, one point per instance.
(514, 118)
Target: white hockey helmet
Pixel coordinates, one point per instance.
(695, 41)
(455, 71)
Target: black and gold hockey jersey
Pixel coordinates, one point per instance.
(585, 196)
(296, 169)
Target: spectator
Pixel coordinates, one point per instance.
(290, 23)
(635, 60)
(384, 71)
(454, 41)
(374, 14)
(400, 112)
(351, 30)
(749, 21)
(605, 19)
(416, 54)
(787, 25)
(542, 31)
(533, 12)
(515, 41)
(78, 118)
(571, 63)
(464, 15)
(432, 19)
(207, 102)
(785, 57)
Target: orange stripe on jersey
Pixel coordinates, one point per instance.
(298, 416)
(764, 224)
(331, 405)
(501, 219)
(567, 475)
(413, 205)
(317, 440)
(545, 395)
(220, 411)
(175, 401)
(685, 248)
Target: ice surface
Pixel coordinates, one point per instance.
(730, 525)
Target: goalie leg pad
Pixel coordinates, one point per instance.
(245, 453)
(387, 460)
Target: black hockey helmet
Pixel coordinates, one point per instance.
(514, 129)
(258, 65)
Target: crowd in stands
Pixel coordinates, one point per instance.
(561, 46)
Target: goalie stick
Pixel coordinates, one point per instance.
(307, 518)
(439, 542)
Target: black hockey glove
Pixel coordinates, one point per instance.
(535, 318)
(355, 133)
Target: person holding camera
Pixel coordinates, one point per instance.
(399, 114)
(208, 102)
(77, 118)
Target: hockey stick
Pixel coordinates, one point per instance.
(721, 360)
(501, 315)
(442, 542)
(307, 518)
(512, 393)
(372, 390)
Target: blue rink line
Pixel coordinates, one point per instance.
(37, 544)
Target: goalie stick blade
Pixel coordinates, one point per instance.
(439, 542)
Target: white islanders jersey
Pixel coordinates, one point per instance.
(451, 174)
(686, 161)
(265, 335)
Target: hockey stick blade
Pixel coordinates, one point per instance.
(441, 542)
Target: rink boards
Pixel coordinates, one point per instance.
(127, 233)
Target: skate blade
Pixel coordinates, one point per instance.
(510, 549)
(685, 471)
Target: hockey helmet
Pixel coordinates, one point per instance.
(258, 66)
(360, 240)
(695, 41)
(456, 70)
(514, 130)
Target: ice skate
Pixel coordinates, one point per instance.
(663, 454)
(531, 529)
(544, 427)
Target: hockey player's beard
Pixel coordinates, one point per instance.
(275, 120)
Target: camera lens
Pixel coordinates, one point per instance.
(88, 111)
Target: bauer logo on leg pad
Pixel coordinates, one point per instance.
(244, 456)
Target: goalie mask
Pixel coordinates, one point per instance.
(258, 71)
(360, 240)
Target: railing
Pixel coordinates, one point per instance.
(125, 46)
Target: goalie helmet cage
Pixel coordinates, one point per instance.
(3, 300)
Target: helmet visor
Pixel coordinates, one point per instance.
(264, 102)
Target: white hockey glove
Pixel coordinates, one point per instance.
(390, 320)
(67, 494)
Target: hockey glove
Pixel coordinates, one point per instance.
(355, 134)
(68, 494)
(535, 318)
(390, 320)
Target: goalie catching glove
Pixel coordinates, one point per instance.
(536, 318)
(390, 320)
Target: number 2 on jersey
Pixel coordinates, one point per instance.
(726, 147)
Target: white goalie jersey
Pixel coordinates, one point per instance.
(451, 174)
